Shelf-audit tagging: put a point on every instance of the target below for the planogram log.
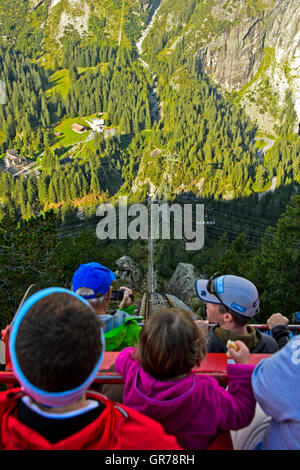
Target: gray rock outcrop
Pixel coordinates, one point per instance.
(129, 273)
(182, 284)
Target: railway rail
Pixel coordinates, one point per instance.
(152, 300)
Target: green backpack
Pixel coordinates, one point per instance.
(124, 335)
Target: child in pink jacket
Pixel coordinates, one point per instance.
(159, 381)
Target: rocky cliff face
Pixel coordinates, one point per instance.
(232, 58)
(284, 36)
(251, 48)
(235, 58)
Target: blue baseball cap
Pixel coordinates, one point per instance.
(93, 276)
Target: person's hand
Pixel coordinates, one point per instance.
(277, 319)
(203, 325)
(242, 356)
(126, 301)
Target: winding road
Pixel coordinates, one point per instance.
(261, 152)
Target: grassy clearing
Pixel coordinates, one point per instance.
(103, 66)
(68, 136)
(61, 83)
(60, 80)
(80, 152)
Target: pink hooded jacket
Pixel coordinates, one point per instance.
(194, 408)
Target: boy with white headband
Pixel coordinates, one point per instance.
(56, 347)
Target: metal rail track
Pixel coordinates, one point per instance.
(153, 302)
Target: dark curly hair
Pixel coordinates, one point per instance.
(58, 342)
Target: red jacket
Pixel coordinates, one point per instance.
(117, 428)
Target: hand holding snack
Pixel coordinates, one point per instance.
(238, 351)
(231, 344)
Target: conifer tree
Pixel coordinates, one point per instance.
(275, 266)
(95, 186)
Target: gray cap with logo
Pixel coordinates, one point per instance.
(237, 293)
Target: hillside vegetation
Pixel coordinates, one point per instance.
(177, 125)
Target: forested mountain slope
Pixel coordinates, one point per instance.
(41, 27)
(178, 121)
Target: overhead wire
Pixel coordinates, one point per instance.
(75, 229)
(222, 225)
(193, 219)
(216, 215)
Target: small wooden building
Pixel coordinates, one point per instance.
(79, 128)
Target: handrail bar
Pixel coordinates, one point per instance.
(214, 364)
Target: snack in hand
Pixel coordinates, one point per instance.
(233, 345)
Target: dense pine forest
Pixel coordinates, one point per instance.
(211, 138)
(172, 128)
